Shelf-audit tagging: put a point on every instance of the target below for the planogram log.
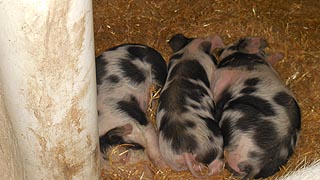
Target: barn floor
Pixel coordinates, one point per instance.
(290, 27)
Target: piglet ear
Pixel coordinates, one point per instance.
(273, 58)
(179, 41)
(216, 42)
(252, 45)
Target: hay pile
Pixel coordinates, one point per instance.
(291, 27)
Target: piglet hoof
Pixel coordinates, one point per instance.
(215, 167)
(189, 159)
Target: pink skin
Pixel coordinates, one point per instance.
(193, 166)
(214, 167)
(225, 78)
(233, 160)
(152, 148)
(274, 58)
(255, 46)
(216, 42)
(189, 159)
(151, 137)
(128, 129)
(240, 154)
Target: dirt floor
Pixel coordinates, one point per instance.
(291, 27)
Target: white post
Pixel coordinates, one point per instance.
(10, 159)
(47, 74)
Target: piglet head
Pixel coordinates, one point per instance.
(195, 47)
(248, 45)
(179, 41)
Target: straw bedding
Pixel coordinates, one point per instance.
(290, 27)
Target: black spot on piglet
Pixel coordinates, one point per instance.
(252, 81)
(212, 125)
(176, 132)
(282, 98)
(225, 97)
(131, 71)
(113, 78)
(152, 57)
(242, 60)
(133, 109)
(261, 105)
(208, 156)
(100, 69)
(291, 106)
(190, 69)
(248, 90)
(137, 52)
(115, 137)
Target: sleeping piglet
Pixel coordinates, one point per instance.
(189, 135)
(124, 75)
(258, 115)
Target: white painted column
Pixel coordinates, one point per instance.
(10, 158)
(47, 74)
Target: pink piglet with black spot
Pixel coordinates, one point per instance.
(258, 115)
(189, 135)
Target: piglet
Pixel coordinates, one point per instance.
(189, 135)
(124, 75)
(258, 115)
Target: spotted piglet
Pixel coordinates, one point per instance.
(124, 75)
(259, 116)
(189, 135)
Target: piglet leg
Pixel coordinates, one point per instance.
(189, 159)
